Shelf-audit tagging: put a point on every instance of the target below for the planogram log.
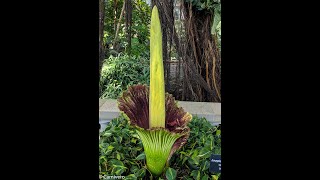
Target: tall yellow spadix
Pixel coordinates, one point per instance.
(157, 86)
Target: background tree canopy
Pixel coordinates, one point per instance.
(191, 46)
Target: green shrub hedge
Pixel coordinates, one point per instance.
(119, 72)
(121, 152)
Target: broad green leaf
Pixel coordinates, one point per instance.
(117, 163)
(171, 174)
(184, 153)
(131, 177)
(107, 134)
(195, 153)
(118, 156)
(102, 159)
(118, 170)
(136, 136)
(204, 152)
(210, 143)
(196, 174)
(141, 156)
(205, 165)
(218, 132)
(219, 28)
(134, 169)
(118, 167)
(194, 161)
(184, 160)
(216, 20)
(203, 5)
(214, 177)
(133, 140)
(157, 86)
(141, 173)
(110, 147)
(205, 177)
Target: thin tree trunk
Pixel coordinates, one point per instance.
(115, 2)
(118, 26)
(101, 33)
(128, 23)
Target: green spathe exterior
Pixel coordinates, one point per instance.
(157, 146)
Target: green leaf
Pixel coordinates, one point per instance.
(118, 156)
(195, 153)
(194, 158)
(107, 134)
(131, 177)
(171, 174)
(210, 143)
(214, 177)
(203, 5)
(205, 177)
(205, 165)
(184, 160)
(135, 135)
(216, 20)
(110, 147)
(196, 174)
(141, 156)
(134, 169)
(133, 140)
(117, 163)
(141, 173)
(118, 167)
(118, 170)
(102, 159)
(218, 132)
(204, 152)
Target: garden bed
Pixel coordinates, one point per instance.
(122, 154)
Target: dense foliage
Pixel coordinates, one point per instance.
(139, 29)
(121, 71)
(121, 152)
(122, 68)
(193, 158)
(204, 4)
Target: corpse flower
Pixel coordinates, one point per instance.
(159, 122)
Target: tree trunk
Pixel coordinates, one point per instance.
(101, 33)
(128, 23)
(115, 42)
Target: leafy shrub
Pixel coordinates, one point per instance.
(121, 71)
(193, 158)
(121, 152)
(140, 49)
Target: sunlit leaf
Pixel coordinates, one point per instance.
(171, 174)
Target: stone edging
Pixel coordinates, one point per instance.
(108, 110)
